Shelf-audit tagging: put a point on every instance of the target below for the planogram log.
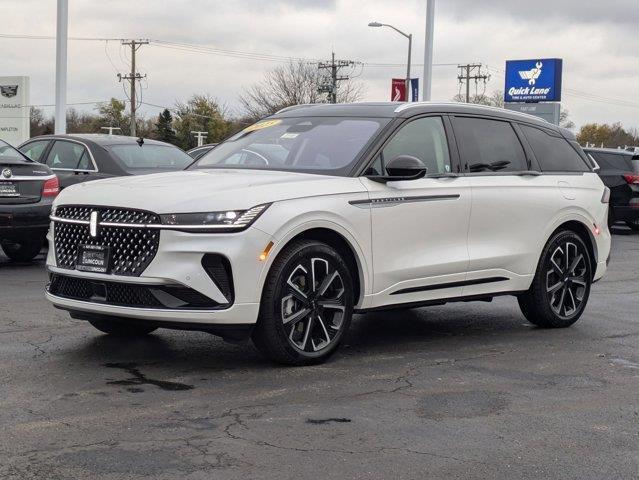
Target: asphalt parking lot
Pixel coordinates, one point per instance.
(458, 391)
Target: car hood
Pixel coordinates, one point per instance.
(204, 190)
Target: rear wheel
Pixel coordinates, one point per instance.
(122, 328)
(561, 287)
(23, 250)
(634, 224)
(306, 306)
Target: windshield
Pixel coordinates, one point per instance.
(10, 154)
(150, 157)
(326, 145)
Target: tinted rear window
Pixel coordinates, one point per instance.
(8, 154)
(617, 162)
(554, 153)
(491, 143)
(150, 157)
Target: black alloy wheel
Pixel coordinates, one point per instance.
(307, 304)
(561, 287)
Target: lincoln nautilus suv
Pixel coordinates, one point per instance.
(285, 230)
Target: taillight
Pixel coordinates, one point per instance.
(605, 198)
(51, 187)
(632, 178)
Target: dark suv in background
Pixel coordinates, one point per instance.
(619, 170)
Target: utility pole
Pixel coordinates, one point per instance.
(133, 77)
(62, 24)
(110, 129)
(471, 72)
(334, 66)
(428, 50)
(201, 136)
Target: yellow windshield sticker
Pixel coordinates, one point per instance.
(261, 125)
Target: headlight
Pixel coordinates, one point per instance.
(225, 221)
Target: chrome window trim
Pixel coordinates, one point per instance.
(95, 165)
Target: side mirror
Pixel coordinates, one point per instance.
(402, 167)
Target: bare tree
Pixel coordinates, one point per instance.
(293, 83)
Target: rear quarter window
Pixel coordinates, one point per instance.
(554, 153)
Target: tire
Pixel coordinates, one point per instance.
(634, 224)
(307, 305)
(122, 329)
(23, 251)
(557, 299)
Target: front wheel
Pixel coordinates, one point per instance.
(561, 287)
(23, 250)
(307, 304)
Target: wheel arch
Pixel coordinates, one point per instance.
(586, 235)
(332, 236)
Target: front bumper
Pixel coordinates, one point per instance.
(178, 261)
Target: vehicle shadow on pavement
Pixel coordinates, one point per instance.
(371, 335)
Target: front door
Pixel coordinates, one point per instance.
(419, 227)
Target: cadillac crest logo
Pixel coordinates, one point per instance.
(9, 90)
(6, 173)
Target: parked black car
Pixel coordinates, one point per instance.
(619, 170)
(27, 190)
(202, 150)
(81, 157)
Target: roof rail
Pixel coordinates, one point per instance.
(409, 105)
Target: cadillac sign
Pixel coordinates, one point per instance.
(532, 81)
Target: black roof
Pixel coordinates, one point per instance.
(404, 110)
(101, 139)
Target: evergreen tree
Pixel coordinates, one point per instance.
(164, 127)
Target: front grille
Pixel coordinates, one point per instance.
(172, 297)
(131, 248)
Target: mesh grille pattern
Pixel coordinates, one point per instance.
(127, 294)
(131, 249)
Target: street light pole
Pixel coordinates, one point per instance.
(409, 36)
(61, 67)
(410, 47)
(428, 51)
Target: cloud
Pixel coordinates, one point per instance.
(595, 39)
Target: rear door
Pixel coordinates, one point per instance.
(511, 205)
(419, 227)
(612, 168)
(71, 161)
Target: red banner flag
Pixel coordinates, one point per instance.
(398, 90)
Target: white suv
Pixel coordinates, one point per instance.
(291, 225)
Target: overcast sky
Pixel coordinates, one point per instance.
(597, 40)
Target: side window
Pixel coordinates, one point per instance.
(85, 161)
(34, 150)
(489, 145)
(424, 138)
(65, 155)
(553, 153)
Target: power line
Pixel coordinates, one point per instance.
(133, 77)
(333, 66)
(471, 71)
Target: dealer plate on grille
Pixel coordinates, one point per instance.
(8, 189)
(93, 258)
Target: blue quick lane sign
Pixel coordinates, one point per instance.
(532, 81)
